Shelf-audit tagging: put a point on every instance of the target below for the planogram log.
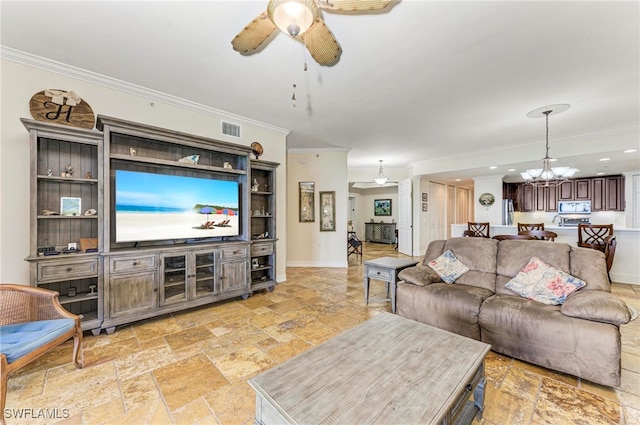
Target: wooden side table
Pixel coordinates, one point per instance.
(385, 269)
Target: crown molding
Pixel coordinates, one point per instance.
(313, 150)
(50, 65)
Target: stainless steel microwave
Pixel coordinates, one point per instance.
(574, 207)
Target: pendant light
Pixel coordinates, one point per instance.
(547, 176)
(380, 179)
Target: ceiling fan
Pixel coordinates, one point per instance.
(301, 20)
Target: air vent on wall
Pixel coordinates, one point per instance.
(230, 129)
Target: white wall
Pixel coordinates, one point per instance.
(492, 185)
(112, 98)
(307, 245)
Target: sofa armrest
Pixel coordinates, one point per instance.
(599, 306)
(419, 275)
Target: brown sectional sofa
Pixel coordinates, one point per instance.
(580, 337)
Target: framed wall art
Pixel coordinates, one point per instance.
(425, 197)
(425, 207)
(382, 207)
(306, 195)
(69, 206)
(327, 211)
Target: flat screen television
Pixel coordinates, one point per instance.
(153, 207)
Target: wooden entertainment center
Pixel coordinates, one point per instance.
(112, 283)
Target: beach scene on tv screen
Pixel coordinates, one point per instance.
(158, 207)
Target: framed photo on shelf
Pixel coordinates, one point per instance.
(327, 211)
(382, 207)
(306, 195)
(70, 206)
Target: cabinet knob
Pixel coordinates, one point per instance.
(135, 263)
(69, 269)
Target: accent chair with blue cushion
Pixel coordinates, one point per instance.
(32, 322)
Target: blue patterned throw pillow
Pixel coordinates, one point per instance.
(448, 267)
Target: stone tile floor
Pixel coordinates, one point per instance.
(192, 367)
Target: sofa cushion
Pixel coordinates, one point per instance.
(22, 338)
(600, 306)
(590, 265)
(434, 250)
(479, 254)
(514, 254)
(541, 334)
(448, 306)
(448, 267)
(538, 281)
(419, 275)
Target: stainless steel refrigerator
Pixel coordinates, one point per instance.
(507, 212)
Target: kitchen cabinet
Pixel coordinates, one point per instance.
(605, 193)
(565, 191)
(608, 193)
(528, 198)
(582, 189)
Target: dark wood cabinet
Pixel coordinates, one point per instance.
(582, 189)
(614, 191)
(598, 199)
(608, 193)
(565, 191)
(539, 197)
(605, 193)
(551, 198)
(528, 203)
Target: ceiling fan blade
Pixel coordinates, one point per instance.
(352, 5)
(322, 45)
(254, 34)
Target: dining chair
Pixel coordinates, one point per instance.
(600, 237)
(543, 235)
(530, 226)
(477, 230)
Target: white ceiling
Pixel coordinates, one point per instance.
(442, 86)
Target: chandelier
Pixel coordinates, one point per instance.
(547, 176)
(380, 179)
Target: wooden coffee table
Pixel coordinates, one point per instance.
(388, 370)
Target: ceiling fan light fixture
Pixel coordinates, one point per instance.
(293, 17)
(380, 178)
(547, 176)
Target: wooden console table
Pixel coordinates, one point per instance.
(380, 232)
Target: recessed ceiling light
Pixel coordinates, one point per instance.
(511, 169)
(493, 167)
(553, 159)
(631, 150)
(601, 173)
(604, 159)
(458, 180)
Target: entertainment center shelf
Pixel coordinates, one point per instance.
(149, 259)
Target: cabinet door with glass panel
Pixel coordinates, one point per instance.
(205, 274)
(174, 278)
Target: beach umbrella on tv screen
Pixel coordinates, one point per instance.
(207, 211)
(226, 211)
